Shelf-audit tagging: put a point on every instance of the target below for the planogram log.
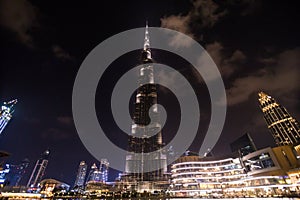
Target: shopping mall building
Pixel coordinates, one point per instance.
(265, 172)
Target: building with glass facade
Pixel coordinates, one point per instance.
(3, 174)
(17, 172)
(261, 173)
(104, 167)
(271, 161)
(6, 112)
(284, 128)
(80, 178)
(243, 145)
(94, 174)
(192, 175)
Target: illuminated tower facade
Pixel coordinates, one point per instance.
(6, 112)
(91, 173)
(284, 128)
(143, 141)
(104, 165)
(94, 174)
(4, 171)
(80, 178)
(39, 170)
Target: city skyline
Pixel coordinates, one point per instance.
(39, 64)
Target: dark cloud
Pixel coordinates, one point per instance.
(61, 129)
(60, 53)
(204, 13)
(32, 120)
(276, 74)
(55, 134)
(181, 24)
(248, 7)
(280, 76)
(226, 64)
(177, 22)
(65, 120)
(19, 16)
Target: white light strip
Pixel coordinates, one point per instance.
(232, 182)
(219, 177)
(234, 188)
(279, 121)
(207, 190)
(272, 105)
(205, 162)
(200, 183)
(28, 195)
(224, 171)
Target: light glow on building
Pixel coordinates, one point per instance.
(193, 176)
(6, 112)
(80, 178)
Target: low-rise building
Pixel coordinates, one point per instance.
(51, 186)
(261, 173)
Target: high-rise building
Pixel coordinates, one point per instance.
(284, 128)
(39, 170)
(4, 171)
(104, 164)
(141, 158)
(6, 112)
(243, 145)
(94, 174)
(80, 178)
(17, 172)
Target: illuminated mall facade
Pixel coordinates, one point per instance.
(266, 172)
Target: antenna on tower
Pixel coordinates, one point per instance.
(147, 39)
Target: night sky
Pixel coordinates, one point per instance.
(254, 43)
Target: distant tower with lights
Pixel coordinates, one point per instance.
(81, 174)
(284, 128)
(17, 172)
(94, 174)
(144, 147)
(39, 170)
(104, 165)
(6, 112)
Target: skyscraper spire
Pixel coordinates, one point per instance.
(146, 55)
(145, 161)
(147, 39)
